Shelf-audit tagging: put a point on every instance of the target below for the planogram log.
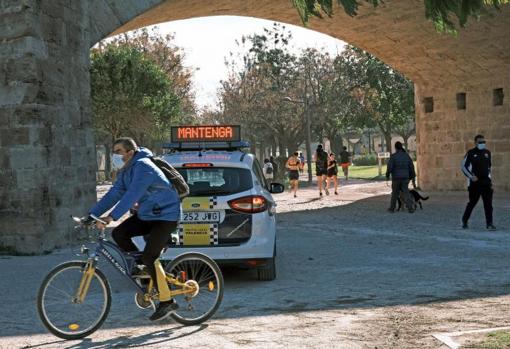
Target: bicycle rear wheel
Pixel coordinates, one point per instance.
(195, 309)
(63, 316)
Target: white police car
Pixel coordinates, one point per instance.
(230, 212)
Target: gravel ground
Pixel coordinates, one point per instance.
(350, 275)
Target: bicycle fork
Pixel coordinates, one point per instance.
(86, 278)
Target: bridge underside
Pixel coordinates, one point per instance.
(47, 153)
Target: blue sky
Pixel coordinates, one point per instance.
(206, 42)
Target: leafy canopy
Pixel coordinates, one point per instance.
(441, 12)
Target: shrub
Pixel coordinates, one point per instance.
(365, 160)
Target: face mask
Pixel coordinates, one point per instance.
(117, 161)
(481, 146)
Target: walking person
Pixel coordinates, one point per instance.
(345, 162)
(321, 167)
(139, 181)
(476, 166)
(302, 162)
(292, 165)
(401, 168)
(332, 173)
(268, 169)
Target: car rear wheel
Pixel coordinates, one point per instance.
(268, 272)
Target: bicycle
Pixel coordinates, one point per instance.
(74, 299)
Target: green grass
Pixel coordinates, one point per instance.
(360, 172)
(494, 340)
(365, 172)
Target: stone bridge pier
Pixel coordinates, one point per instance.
(47, 151)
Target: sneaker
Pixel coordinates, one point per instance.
(464, 225)
(139, 270)
(336, 193)
(327, 192)
(320, 193)
(411, 210)
(391, 210)
(491, 227)
(163, 310)
(295, 195)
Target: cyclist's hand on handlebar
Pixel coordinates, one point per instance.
(101, 225)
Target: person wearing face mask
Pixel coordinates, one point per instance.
(139, 181)
(476, 166)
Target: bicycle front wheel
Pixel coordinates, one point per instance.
(60, 313)
(204, 272)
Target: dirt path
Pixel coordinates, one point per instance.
(350, 275)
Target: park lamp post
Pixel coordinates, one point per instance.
(308, 134)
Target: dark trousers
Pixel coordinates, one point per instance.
(397, 186)
(475, 191)
(158, 236)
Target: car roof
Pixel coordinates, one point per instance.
(218, 158)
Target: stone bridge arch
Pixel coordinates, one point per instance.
(47, 155)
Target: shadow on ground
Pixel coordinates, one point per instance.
(351, 256)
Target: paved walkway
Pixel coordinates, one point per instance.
(350, 275)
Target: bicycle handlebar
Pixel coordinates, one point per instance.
(88, 220)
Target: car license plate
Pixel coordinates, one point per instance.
(198, 216)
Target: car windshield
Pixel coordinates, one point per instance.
(216, 180)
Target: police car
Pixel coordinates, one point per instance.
(230, 212)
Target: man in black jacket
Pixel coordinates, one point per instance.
(476, 166)
(401, 169)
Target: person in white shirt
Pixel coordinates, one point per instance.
(268, 169)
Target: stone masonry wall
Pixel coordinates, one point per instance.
(47, 152)
(445, 134)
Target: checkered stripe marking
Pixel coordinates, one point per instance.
(213, 202)
(180, 240)
(214, 234)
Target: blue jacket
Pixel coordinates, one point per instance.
(400, 166)
(141, 181)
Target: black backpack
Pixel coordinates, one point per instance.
(173, 176)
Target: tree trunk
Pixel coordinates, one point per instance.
(336, 143)
(387, 140)
(107, 162)
(281, 149)
(369, 143)
(406, 141)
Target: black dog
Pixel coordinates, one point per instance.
(416, 195)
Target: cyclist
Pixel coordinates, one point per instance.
(139, 181)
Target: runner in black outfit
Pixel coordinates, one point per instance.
(321, 166)
(332, 173)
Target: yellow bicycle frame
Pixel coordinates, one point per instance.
(163, 280)
(88, 273)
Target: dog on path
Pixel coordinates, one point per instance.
(417, 195)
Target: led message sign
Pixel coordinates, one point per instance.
(213, 133)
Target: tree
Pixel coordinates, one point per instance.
(440, 12)
(386, 96)
(131, 96)
(170, 58)
(253, 92)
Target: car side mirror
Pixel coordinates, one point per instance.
(276, 188)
